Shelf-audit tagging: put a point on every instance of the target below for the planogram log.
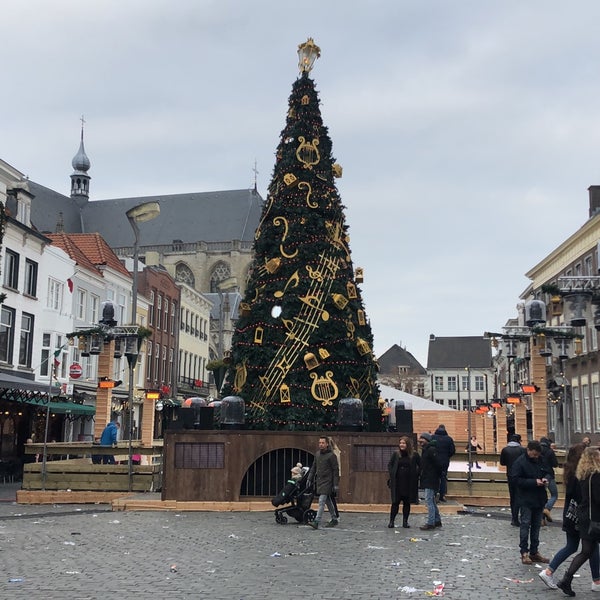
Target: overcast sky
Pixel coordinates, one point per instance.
(469, 131)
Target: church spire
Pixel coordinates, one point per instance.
(80, 180)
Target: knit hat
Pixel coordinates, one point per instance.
(425, 436)
(297, 471)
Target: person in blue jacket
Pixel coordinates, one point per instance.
(109, 438)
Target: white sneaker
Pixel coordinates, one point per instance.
(595, 587)
(549, 580)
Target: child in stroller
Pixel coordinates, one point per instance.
(298, 495)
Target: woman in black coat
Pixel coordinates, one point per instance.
(403, 469)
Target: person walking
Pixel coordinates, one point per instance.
(403, 469)
(531, 481)
(431, 472)
(474, 446)
(508, 456)
(445, 450)
(588, 475)
(109, 438)
(569, 520)
(549, 457)
(325, 478)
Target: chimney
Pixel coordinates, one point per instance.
(594, 191)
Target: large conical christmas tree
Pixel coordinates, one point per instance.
(303, 341)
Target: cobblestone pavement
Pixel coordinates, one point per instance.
(88, 552)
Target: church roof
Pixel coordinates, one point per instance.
(191, 217)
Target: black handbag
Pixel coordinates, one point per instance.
(594, 526)
(571, 513)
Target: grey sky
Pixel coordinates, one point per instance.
(469, 131)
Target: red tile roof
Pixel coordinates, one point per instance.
(89, 250)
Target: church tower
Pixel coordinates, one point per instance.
(80, 180)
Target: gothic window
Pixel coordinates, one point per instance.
(184, 273)
(220, 272)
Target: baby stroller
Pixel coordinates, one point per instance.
(297, 495)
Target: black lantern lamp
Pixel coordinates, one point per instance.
(308, 52)
(233, 413)
(350, 414)
(535, 313)
(510, 346)
(576, 305)
(545, 345)
(96, 343)
(562, 346)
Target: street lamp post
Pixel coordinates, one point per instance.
(138, 214)
(469, 428)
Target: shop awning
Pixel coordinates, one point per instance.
(61, 408)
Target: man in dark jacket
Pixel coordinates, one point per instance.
(446, 450)
(325, 476)
(431, 471)
(549, 457)
(508, 456)
(531, 480)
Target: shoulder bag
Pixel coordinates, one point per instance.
(571, 513)
(594, 526)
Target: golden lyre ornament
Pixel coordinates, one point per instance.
(307, 152)
(324, 388)
(308, 52)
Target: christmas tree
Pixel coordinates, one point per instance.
(302, 342)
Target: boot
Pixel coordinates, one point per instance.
(565, 585)
(391, 524)
(405, 524)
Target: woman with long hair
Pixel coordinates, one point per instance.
(588, 474)
(403, 481)
(572, 493)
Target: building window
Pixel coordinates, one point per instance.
(173, 313)
(464, 385)
(11, 270)
(438, 383)
(151, 309)
(26, 341)
(121, 315)
(479, 383)
(7, 333)
(576, 410)
(156, 362)
(452, 403)
(158, 311)
(166, 316)
(46, 341)
(451, 383)
(596, 394)
(184, 273)
(149, 360)
(55, 294)
(94, 308)
(31, 274)
(587, 412)
(81, 304)
(588, 266)
(220, 272)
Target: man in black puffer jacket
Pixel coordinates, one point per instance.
(445, 450)
(530, 474)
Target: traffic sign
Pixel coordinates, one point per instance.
(75, 371)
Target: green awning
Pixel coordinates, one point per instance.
(64, 408)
